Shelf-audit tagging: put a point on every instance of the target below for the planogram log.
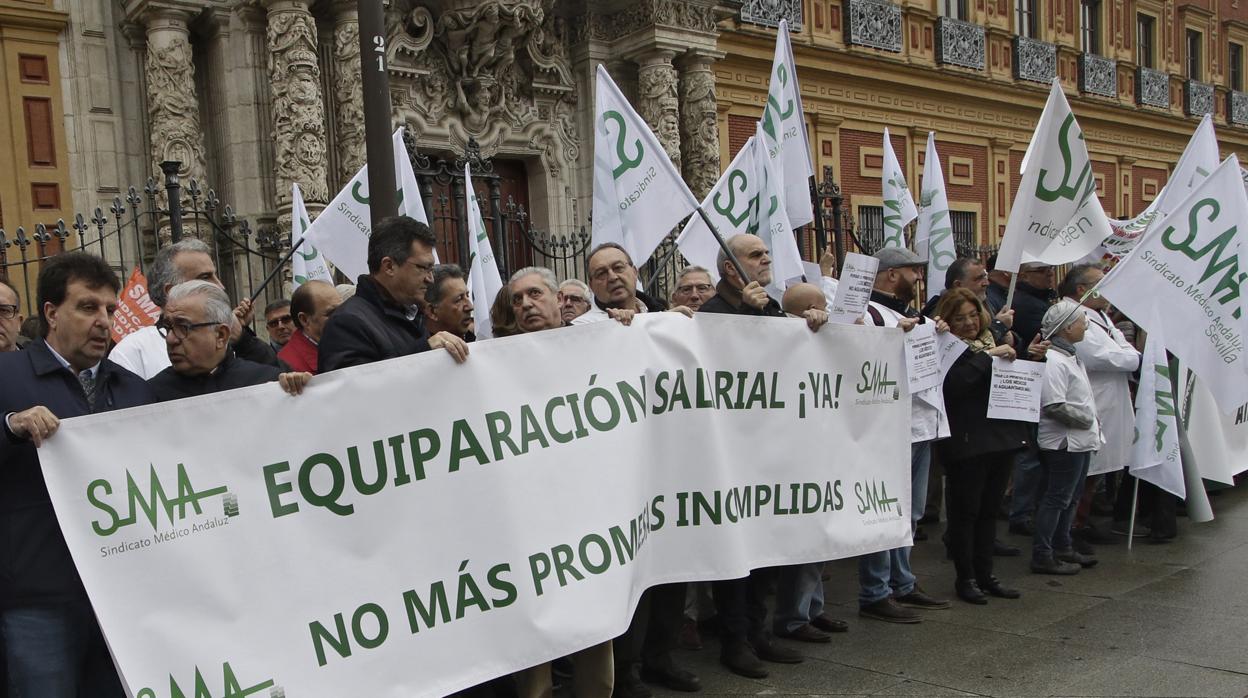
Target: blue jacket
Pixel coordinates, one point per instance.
(35, 565)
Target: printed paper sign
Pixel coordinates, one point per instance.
(951, 347)
(1015, 390)
(853, 291)
(922, 358)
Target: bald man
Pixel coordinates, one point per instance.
(799, 298)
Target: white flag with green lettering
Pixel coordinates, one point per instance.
(484, 281)
(784, 127)
(933, 238)
(1057, 217)
(899, 208)
(1188, 267)
(771, 220)
(638, 194)
(1155, 453)
(307, 264)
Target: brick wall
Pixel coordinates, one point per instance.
(1138, 175)
(740, 128)
(1109, 193)
(977, 191)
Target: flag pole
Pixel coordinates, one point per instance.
(1135, 498)
(736, 263)
(1009, 296)
(1087, 294)
(278, 267)
(667, 257)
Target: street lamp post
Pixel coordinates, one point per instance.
(382, 192)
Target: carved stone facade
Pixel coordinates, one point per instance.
(699, 127)
(298, 108)
(657, 100)
(348, 92)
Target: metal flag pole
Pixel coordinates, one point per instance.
(1087, 294)
(736, 263)
(667, 257)
(1135, 498)
(276, 268)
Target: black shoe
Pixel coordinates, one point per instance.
(769, 651)
(887, 610)
(1003, 549)
(1084, 561)
(672, 677)
(1082, 546)
(969, 592)
(919, 599)
(806, 633)
(919, 534)
(741, 660)
(1052, 566)
(992, 587)
(1093, 534)
(828, 624)
(1022, 528)
(629, 685)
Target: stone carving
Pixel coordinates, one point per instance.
(348, 98)
(298, 111)
(1098, 75)
(658, 104)
(1237, 108)
(699, 131)
(1152, 88)
(875, 23)
(959, 43)
(172, 106)
(1197, 98)
(1034, 60)
(770, 12)
(640, 14)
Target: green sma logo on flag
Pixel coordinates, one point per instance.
(199, 687)
(621, 140)
(1065, 190)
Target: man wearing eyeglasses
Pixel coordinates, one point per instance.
(280, 323)
(693, 287)
(51, 642)
(196, 327)
(383, 319)
(573, 299)
(10, 317)
(613, 279)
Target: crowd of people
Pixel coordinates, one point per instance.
(962, 462)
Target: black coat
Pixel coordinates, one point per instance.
(233, 372)
(252, 348)
(1030, 305)
(727, 299)
(35, 566)
(972, 433)
(369, 327)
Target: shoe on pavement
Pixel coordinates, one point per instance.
(887, 610)
(672, 677)
(629, 685)
(806, 633)
(1022, 528)
(1084, 561)
(1093, 534)
(1053, 566)
(919, 599)
(1082, 546)
(741, 660)
(1002, 549)
(969, 592)
(769, 651)
(828, 624)
(1120, 529)
(992, 587)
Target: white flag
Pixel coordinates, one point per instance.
(1219, 442)
(1056, 217)
(933, 238)
(484, 281)
(638, 194)
(899, 208)
(1188, 266)
(341, 231)
(784, 126)
(771, 221)
(307, 264)
(1155, 454)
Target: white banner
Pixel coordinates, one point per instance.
(341, 231)
(415, 527)
(307, 264)
(1188, 265)
(899, 207)
(933, 236)
(1056, 217)
(638, 194)
(784, 128)
(484, 281)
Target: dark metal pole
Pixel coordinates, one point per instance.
(821, 235)
(173, 188)
(838, 234)
(382, 192)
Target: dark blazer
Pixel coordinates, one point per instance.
(972, 433)
(35, 566)
(369, 327)
(1030, 305)
(232, 373)
(727, 299)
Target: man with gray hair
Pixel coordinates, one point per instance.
(10, 317)
(195, 325)
(693, 287)
(573, 299)
(447, 306)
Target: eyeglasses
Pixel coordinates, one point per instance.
(180, 328)
(700, 288)
(280, 320)
(8, 312)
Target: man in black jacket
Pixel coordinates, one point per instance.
(53, 645)
(196, 327)
(741, 603)
(383, 319)
(613, 281)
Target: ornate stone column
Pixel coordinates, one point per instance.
(657, 100)
(348, 96)
(298, 109)
(172, 104)
(699, 128)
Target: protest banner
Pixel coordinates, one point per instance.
(784, 132)
(307, 264)
(1155, 448)
(1188, 265)
(1056, 217)
(638, 194)
(341, 231)
(415, 527)
(484, 281)
(853, 289)
(922, 358)
(1015, 390)
(135, 308)
(933, 236)
(899, 207)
